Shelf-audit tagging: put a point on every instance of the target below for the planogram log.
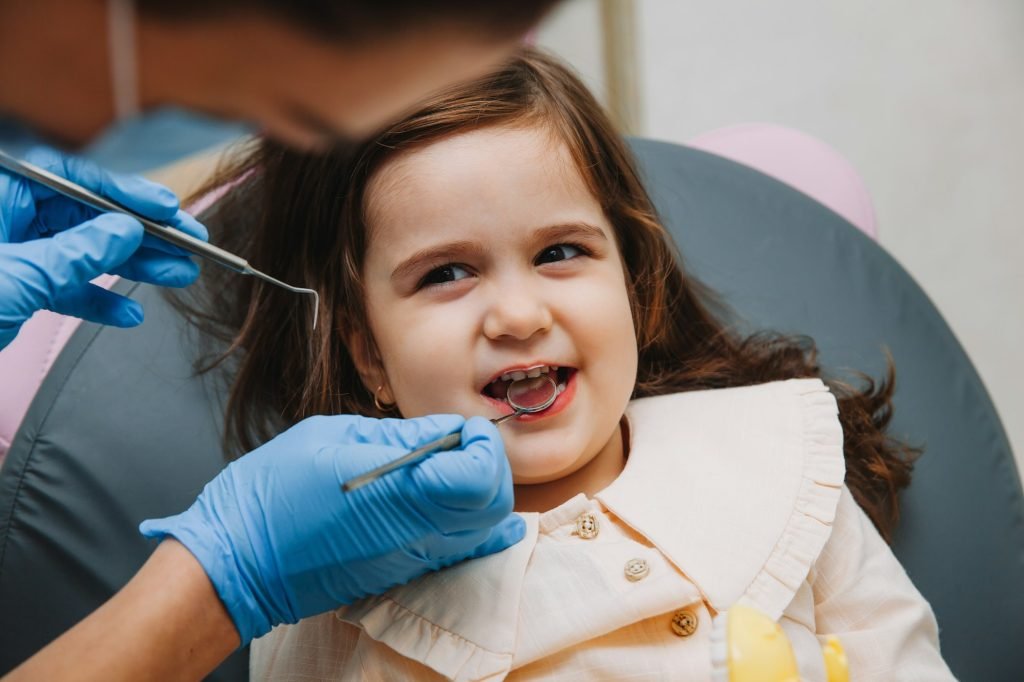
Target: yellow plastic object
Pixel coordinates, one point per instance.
(758, 650)
(836, 665)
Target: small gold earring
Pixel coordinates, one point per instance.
(383, 407)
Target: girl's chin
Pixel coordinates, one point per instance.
(530, 471)
(543, 455)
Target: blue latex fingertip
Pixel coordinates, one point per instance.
(444, 423)
(135, 315)
(144, 196)
(125, 314)
(167, 197)
(145, 190)
(410, 433)
(515, 529)
(187, 223)
(480, 427)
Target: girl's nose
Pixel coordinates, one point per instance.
(517, 315)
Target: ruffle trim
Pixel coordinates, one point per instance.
(416, 638)
(810, 523)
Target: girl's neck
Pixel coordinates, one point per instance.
(592, 478)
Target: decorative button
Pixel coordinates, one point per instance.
(684, 623)
(587, 526)
(637, 569)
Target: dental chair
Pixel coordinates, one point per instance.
(121, 429)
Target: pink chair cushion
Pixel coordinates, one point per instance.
(799, 160)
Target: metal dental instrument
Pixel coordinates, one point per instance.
(529, 395)
(537, 392)
(167, 233)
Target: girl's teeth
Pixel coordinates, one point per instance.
(532, 372)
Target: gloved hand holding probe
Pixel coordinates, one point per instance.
(280, 541)
(52, 246)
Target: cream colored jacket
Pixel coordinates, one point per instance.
(730, 496)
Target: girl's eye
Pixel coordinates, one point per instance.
(553, 254)
(444, 274)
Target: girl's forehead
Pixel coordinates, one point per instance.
(498, 176)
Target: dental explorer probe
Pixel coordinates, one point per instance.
(182, 240)
(543, 391)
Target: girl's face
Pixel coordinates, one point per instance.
(487, 255)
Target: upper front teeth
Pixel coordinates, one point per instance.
(532, 372)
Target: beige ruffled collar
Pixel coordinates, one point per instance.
(737, 487)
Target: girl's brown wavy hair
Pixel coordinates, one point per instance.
(302, 218)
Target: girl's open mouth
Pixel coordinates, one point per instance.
(497, 390)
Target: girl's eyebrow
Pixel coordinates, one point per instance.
(451, 251)
(441, 253)
(574, 230)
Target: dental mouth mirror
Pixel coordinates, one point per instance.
(529, 395)
(525, 396)
(167, 233)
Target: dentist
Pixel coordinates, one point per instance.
(271, 539)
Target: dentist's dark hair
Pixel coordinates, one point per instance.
(302, 218)
(357, 21)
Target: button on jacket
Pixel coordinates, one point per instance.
(731, 496)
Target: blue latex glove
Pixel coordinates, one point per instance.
(280, 541)
(51, 246)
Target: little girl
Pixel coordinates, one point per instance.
(502, 231)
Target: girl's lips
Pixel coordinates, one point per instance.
(561, 402)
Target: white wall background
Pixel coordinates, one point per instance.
(925, 97)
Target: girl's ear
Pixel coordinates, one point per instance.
(368, 365)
